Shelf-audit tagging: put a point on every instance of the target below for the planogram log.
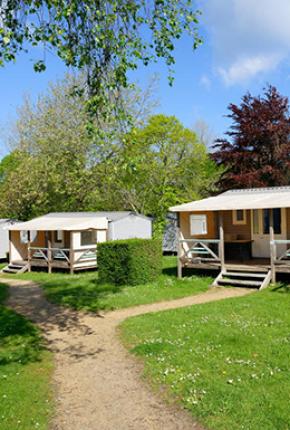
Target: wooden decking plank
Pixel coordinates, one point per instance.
(240, 282)
(245, 274)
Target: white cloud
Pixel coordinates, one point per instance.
(205, 82)
(246, 68)
(247, 37)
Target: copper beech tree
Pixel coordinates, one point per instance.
(256, 152)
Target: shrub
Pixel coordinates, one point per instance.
(129, 262)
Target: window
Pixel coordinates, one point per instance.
(276, 221)
(24, 236)
(239, 216)
(88, 238)
(198, 224)
(58, 236)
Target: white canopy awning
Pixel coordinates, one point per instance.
(256, 198)
(47, 223)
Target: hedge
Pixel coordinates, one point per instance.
(129, 262)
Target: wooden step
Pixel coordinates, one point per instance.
(240, 282)
(10, 270)
(244, 274)
(251, 269)
(15, 268)
(243, 278)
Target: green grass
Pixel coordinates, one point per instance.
(25, 373)
(84, 291)
(227, 362)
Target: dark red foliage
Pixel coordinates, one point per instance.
(257, 151)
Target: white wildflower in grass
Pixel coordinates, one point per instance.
(254, 376)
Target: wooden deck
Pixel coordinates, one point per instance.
(252, 265)
(57, 264)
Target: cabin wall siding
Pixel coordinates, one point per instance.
(18, 249)
(231, 231)
(40, 240)
(236, 231)
(184, 223)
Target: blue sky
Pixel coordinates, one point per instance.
(246, 45)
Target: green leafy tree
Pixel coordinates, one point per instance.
(105, 38)
(159, 165)
(8, 164)
(53, 150)
(56, 165)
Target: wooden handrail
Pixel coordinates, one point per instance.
(200, 240)
(280, 241)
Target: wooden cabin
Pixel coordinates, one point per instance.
(69, 240)
(245, 234)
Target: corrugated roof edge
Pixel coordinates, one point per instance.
(134, 214)
(256, 190)
(260, 193)
(107, 214)
(112, 216)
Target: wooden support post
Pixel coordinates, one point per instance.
(29, 254)
(179, 255)
(272, 247)
(221, 242)
(49, 253)
(10, 248)
(71, 253)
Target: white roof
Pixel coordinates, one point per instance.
(253, 198)
(64, 222)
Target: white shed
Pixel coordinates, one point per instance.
(127, 225)
(4, 237)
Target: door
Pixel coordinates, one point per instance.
(261, 234)
(57, 239)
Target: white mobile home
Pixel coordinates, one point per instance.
(68, 240)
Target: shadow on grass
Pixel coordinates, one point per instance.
(281, 288)
(20, 341)
(187, 272)
(84, 293)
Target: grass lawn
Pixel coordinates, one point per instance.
(25, 373)
(84, 291)
(227, 362)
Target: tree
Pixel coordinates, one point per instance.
(106, 39)
(53, 149)
(159, 165)
(257, 152)
(55, 164)
(8, 164)
(204, 133)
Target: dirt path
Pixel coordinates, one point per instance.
(98, 384)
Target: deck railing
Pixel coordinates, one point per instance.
(279, 258)
(67, 257)
(284, 255)
(198, 251)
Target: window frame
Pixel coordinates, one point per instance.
(236, 221)
(93, 242)
(205, 224)
(56, 238)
